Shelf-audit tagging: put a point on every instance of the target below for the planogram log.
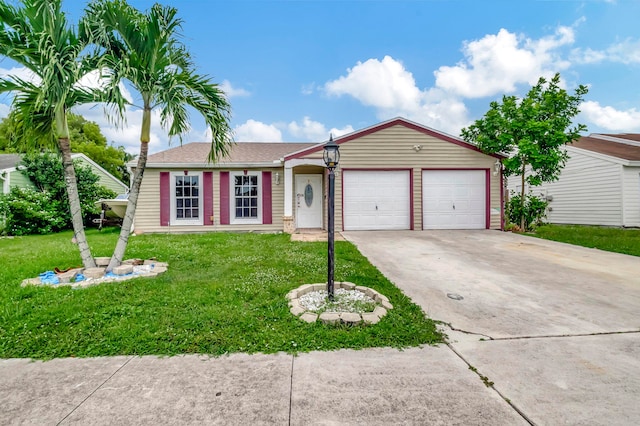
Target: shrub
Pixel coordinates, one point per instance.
(46, 209)
(27, 211)
(533, 210)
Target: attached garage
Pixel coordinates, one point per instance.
(454, 199)
(400, 175)
(376, 199)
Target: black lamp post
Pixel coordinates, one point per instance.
(331, 158)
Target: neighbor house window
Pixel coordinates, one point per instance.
(245, 202)
(186, 200)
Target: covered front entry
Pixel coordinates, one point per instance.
(376, 199)
(308, 201)
(454, 199)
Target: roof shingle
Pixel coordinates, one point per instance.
(621, 150)
(240, 153)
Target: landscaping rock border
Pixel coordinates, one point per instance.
(350, 318)
(129, 269)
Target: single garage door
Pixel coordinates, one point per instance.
(453, 199)
(376, 200)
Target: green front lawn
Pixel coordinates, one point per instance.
(222, 293)
(618, 240)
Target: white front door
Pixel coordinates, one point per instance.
(308, 201)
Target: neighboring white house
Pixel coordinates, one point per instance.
(599, 185)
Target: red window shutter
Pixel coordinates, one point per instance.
(267, 216)
(207, 188)
(224, 198)
(165, 199)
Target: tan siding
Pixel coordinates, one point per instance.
(148, 210)
(392, 148)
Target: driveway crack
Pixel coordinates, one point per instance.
(465, 331)
(488, 383)
(548, 336)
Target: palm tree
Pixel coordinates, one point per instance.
(38, 37)
(144, 50)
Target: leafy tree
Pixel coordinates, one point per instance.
(39, 38)
(46, 172)
(144, 50)
(85, 137)
(531, 132)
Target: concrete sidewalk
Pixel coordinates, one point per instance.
(382, 386)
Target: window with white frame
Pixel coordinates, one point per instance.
(245, 202)
(186, 198)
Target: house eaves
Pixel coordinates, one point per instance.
(601, 156)
(385, 125)
(257, 165)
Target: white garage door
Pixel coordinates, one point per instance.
(375, 200)
(453, 199)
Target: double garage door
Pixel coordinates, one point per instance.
(381, 200)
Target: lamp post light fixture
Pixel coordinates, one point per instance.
(331, 158)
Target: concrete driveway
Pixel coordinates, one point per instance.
(555, 327)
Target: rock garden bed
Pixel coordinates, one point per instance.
(85, 277)
(353, 304)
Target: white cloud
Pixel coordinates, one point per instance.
(231, 91)
(391, 89)
(626, 52)
(381, 84)
(21, 72)
(315, 131)
(127, 133)
(498, 63)
(610, 118)
(256, 131)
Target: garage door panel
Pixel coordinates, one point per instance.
(376, 199)
(454, 199)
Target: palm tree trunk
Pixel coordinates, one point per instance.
(127, 222)
(74, 204)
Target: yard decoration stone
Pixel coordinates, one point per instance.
(309, 317)
(370, 318)
(329, 317)
(97, 272)
(307, 314)
(350, 318)
(123, 269)
(85, 277)
(102, 261)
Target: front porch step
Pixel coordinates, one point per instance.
(317, 235)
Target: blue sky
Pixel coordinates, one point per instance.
(295, 71)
